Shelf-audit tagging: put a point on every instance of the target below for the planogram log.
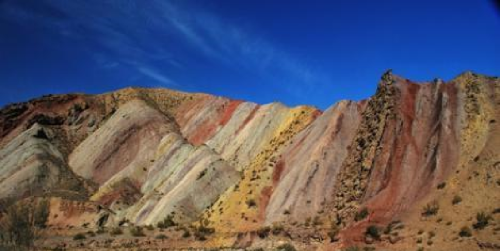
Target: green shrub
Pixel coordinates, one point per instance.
(167, 222)
(286, 247)
(441, 185)
(373, 231)
(277, 229)
(251, 203)
(456, 199)
(432, 234)
(263, 232)
(352, 248)
(465, 232)
(20, 221)
(136, 232)
(100, 231)
(116, 231)
(186, 233)
(79, 236)
(317, 221)
(431, 209)
(161, 237)
(201, 174)
(201, 232)
(332, 234)
(361, 215)
(150, 227)
(482, 220)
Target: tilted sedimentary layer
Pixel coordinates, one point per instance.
(140, 155)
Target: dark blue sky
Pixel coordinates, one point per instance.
(296, 52)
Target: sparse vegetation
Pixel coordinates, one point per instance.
(430, 209)
(373, 231)
(332, 234)
(167, 222)
(251, 203)
(441, 185)
(353, 248)
(465, 232)
(201, 232)
(136, 231)
(186, 233)
(482, 220)
(20, 223)
(116, 231)
(79, 236)
(361, 215)
(456, 199)
(263, 232)
(100, 230)
(286, 247)
(317, 221)
(277, 229)
(432, 234)
(161, 237)
(201, 174)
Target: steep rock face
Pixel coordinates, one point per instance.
(140, 155)
(185, 180)
(123, 146)
(406, 144)
(266, 131)
(304, 176)
(32, 165)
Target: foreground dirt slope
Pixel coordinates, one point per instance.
(408, 168)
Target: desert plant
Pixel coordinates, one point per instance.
(431, 209)
(201, 232)
(352, 248)
(116, 231)
(161, 237)
(136, 231)
(251, 203)
(167, 222)
(441, 185)
(465, 232)
(432, 234)
(186, 233)
(286, 247)
(332, 233)
(277, 229)
(21, 221)
(317, 221)
(456, 199)
(201, 174)
(482, 220)
(373, 231)
(100, 231)
(79, 236)
(361, 215)
(263, 232)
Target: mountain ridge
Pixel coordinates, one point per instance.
(140, 156)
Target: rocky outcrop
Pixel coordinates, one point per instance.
(139, 156)
(31, 165)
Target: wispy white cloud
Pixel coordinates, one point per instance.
(156, 76)
(140, 32)
(232, 45)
